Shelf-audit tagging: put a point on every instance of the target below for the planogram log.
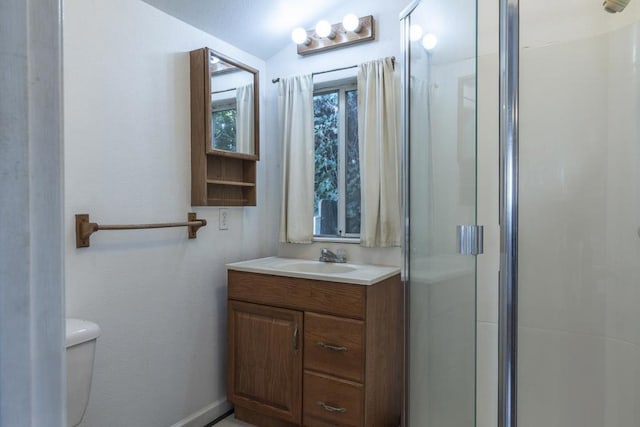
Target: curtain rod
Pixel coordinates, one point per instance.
(393, 61)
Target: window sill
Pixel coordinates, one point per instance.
(350, 240)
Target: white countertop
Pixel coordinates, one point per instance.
(357, 274)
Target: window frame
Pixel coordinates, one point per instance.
(342, 89)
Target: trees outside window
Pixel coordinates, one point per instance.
(337, 168)
(223, 127)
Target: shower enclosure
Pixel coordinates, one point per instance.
(566, 110)
(440, 195)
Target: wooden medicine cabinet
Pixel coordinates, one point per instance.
(224, 130)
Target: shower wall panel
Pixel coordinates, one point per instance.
(579, 248)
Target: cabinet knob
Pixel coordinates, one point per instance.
(331, 347)
(332, 408)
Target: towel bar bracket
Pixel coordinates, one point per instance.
(193, 229)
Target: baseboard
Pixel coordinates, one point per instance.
(205, 415)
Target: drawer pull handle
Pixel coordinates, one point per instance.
(295, 337)
(331, 347)
(332, 408)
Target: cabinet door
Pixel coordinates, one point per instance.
(265, 359)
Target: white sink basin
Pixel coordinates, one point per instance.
(316, 267)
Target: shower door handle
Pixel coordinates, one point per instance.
(470, 239)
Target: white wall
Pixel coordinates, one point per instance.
(31, 255)
(159, 298)
(288, 63)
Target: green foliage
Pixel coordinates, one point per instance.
(325, 124)
(223, 126)
(326, 130)
(352, 195)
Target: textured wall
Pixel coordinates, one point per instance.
(31, 254)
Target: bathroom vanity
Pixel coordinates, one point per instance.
(314, 344)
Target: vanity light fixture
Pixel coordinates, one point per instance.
(415, 32)
(326, 36)
(429, 41)
(324, 29)
(351, 22)
(299, 36)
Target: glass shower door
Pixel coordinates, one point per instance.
(440, 100)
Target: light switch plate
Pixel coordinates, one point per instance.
(223, 220)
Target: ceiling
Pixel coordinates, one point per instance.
(260, 27)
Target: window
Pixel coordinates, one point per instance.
(223, 125)
(336, 203)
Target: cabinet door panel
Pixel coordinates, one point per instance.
(265, 359)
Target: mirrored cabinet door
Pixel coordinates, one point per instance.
(224, 130)
(233, 105)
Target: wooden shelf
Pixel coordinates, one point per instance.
(231, 154)
(236, 183)
(227, 202)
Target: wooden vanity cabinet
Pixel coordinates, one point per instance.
(314, 353)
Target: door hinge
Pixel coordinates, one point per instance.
(470, 239)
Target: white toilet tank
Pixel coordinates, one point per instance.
(81, 347)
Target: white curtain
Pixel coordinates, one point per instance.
(379, 154)
(244, 119)
(295, 103)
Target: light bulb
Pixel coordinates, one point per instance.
(351, 22)
(429, 41)
(299, 36)
(415, 32)
(323, 29)
(215, 59)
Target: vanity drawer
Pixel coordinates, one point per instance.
(339, 299)
(334, 345)
(330, 401)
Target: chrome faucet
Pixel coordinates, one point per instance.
(327, 256)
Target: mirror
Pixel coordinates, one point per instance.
(234, 106)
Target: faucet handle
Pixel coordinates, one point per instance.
(325, 254)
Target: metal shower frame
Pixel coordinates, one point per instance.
(508, 209)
